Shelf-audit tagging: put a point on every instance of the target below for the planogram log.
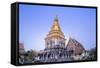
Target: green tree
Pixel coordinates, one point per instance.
(31, 54)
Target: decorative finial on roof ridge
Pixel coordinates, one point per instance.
(56, 18)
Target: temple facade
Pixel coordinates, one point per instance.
(56, 49)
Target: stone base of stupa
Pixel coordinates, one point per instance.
(55, 55)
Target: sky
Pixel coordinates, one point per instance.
(35, 21)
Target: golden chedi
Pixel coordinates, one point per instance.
(55, 38)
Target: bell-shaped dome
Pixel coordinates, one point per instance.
(55, 30)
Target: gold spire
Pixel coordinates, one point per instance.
(55, 34)
(55, 30)
(56, 18)
(55, 26)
